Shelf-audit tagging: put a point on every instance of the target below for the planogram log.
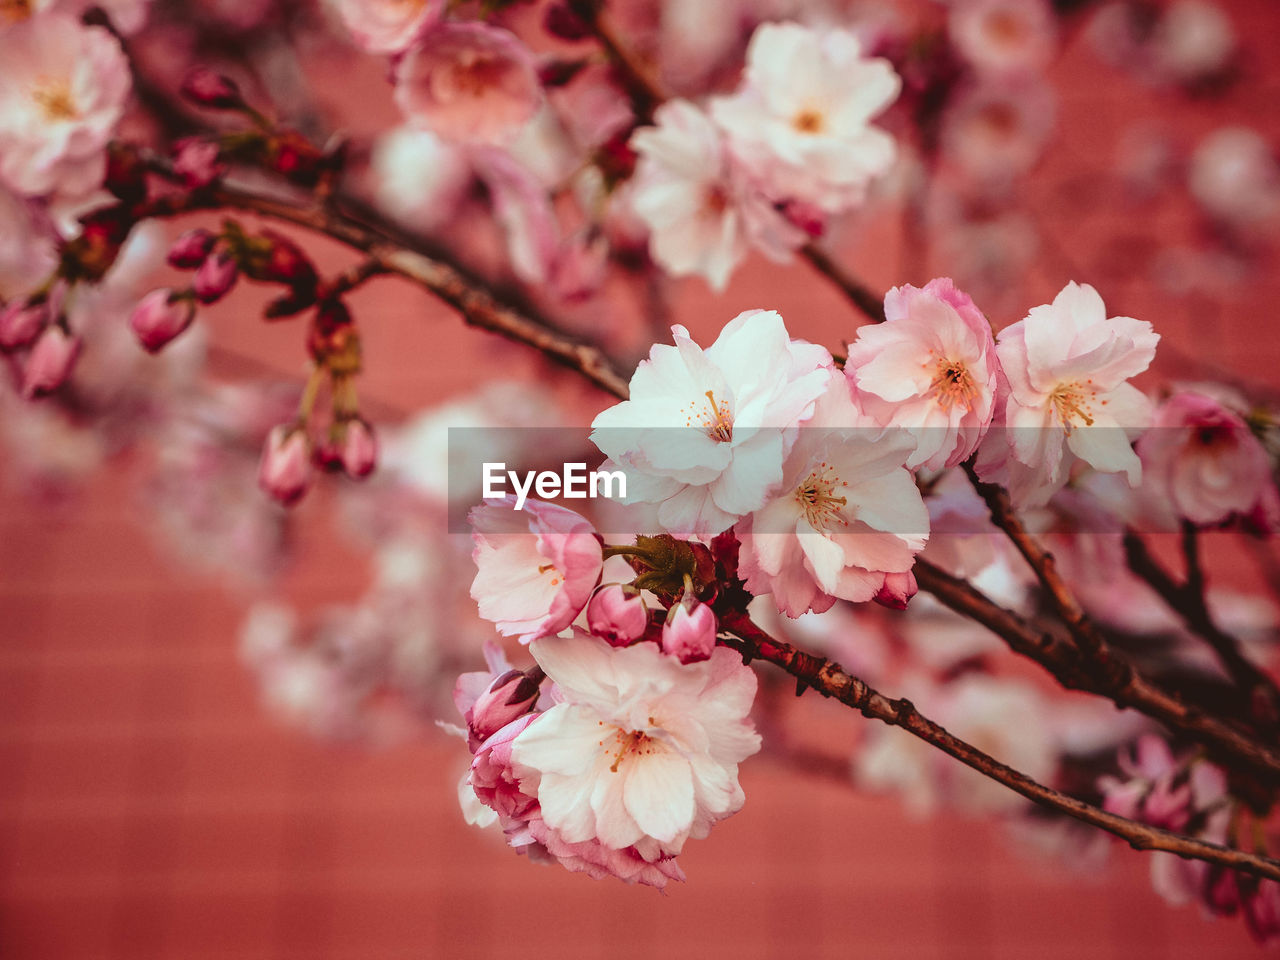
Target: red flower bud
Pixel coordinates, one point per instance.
(209, 88)
(190, 249)
(216, 276)
(159, 317)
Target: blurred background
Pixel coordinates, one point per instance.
(164, 793)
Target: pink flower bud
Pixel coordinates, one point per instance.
(689, 634)
(49, 363)
(21, 322)
(209, 88)
(508, 697)
(197, 162)
(285, 471)
(286, 263)
(190, 249)
(359, 449)
(159, 317)
(216, 276)
(617, 613)
(897, 590)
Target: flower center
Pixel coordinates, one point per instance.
(809, 120)
(473, 75)
(1073, 402)
(952, 385)
(715, 418)
(628, 743)
(1006, 28)
(817, 498)
(54, 98)
(551, 569)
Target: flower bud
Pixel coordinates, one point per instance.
(21, 322)
(1262, 910)
(198, 162)
(190, 249)
(285, 471)
(508, 698)
(159, 317)
(126, 176)
(209, 88)
(285, 263)
(1221, 892)
(617, 613)
(689, 634)
(216, 276)
(49, 363)
(897, 590)
(359, 449)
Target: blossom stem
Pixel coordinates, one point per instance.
(831, 680)
(1065, 662)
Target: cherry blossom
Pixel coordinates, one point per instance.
(537, 567)
(643, 751)
(1003, 36)
(470, 82)
(1201, 458)
(62, 92)
(700, 204)
(1068, 366)
(930, 369)
(801, 121)
(705, 432)
(846, 513)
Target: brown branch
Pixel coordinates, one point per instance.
(1041, 561)
(478, 307)
(1071, 668)
(830, 680)
(854, 290)
(1187, 599)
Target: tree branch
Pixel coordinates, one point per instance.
(831, 680)
(1188, 601)
(478, 306)
(1066, 662)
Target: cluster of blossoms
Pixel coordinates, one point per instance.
(761, 470)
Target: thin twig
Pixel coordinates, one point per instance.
(1067, 663)
(830, 680)
(1188, 601)
(855, 291)
(478, 307)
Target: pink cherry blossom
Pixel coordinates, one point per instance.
(470, 82)
(705, 432)
(846, 513)
(1202, 459)
(523, 209)
(993, 132)
(643, 751)
(1153, 791)
(1068, 367)
(536, 567)
(930, 369)
(701, 207)
(801, 121)
(62, 92)
(1003, 36)
(389, 26)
